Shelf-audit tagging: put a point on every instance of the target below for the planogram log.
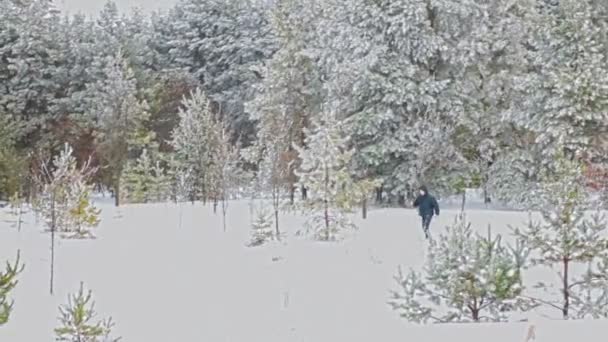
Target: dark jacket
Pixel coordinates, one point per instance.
(427, 205)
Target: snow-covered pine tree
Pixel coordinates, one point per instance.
(567, 96)
(192, 141)
(120, 117)
(489, 53)
(325, 172)
(391, 71)
(8, 281)
(589, 293)
(564, 237)
(219, 42)
(467, 278)
(225, 171)
(290, 90)
(78, 321)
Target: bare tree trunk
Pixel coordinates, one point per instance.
(464, 201)
(326, 204)
(364, 208)
(379, 195)
(224, 209)
(566, 289)
(292, 195)
(117, 192)
(215, 205)
(20, 215)
(304, 193)
(181, 214)
(53, 226)
(275, 203)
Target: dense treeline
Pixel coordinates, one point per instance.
(450, 93)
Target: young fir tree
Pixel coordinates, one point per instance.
(262, 227)
(84, 215)
(8, 281)
(193, 142)
(325, 173)
(467, 278)
(564, 237)
(145, 179)
(78, 320)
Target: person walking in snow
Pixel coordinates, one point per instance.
(427, 207)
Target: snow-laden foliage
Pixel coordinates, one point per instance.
(8, 281)
(262, 227)
(120, 117)
(565, 236)
(64, 202)
(332, 191)
(193, 144)
(78, 322)
(467, 278)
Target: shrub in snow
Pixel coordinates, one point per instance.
(8, 281)
(332, 191)
(467, 278)
(78, 323)
(564, 236)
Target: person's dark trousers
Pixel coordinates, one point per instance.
(426, 223)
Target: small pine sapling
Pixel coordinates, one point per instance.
(262, 228)
(8, 281)
(564, 237)
(467, 278)
(83, 213)
(78, 320)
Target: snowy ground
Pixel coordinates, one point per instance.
(162, 282)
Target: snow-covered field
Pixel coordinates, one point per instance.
(162, 282)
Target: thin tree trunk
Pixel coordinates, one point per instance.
(181, 214)
(486, 198)
(326, 204)
(304, 193)
(379, 195)
(276, 224)
(292, 195)
(215, 205)
(224, 207)
(117, 192)
(464, 201)
(566, 290)
(20, 215)
(53, 224)
(364, 208)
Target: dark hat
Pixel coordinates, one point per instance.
(424, 188)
